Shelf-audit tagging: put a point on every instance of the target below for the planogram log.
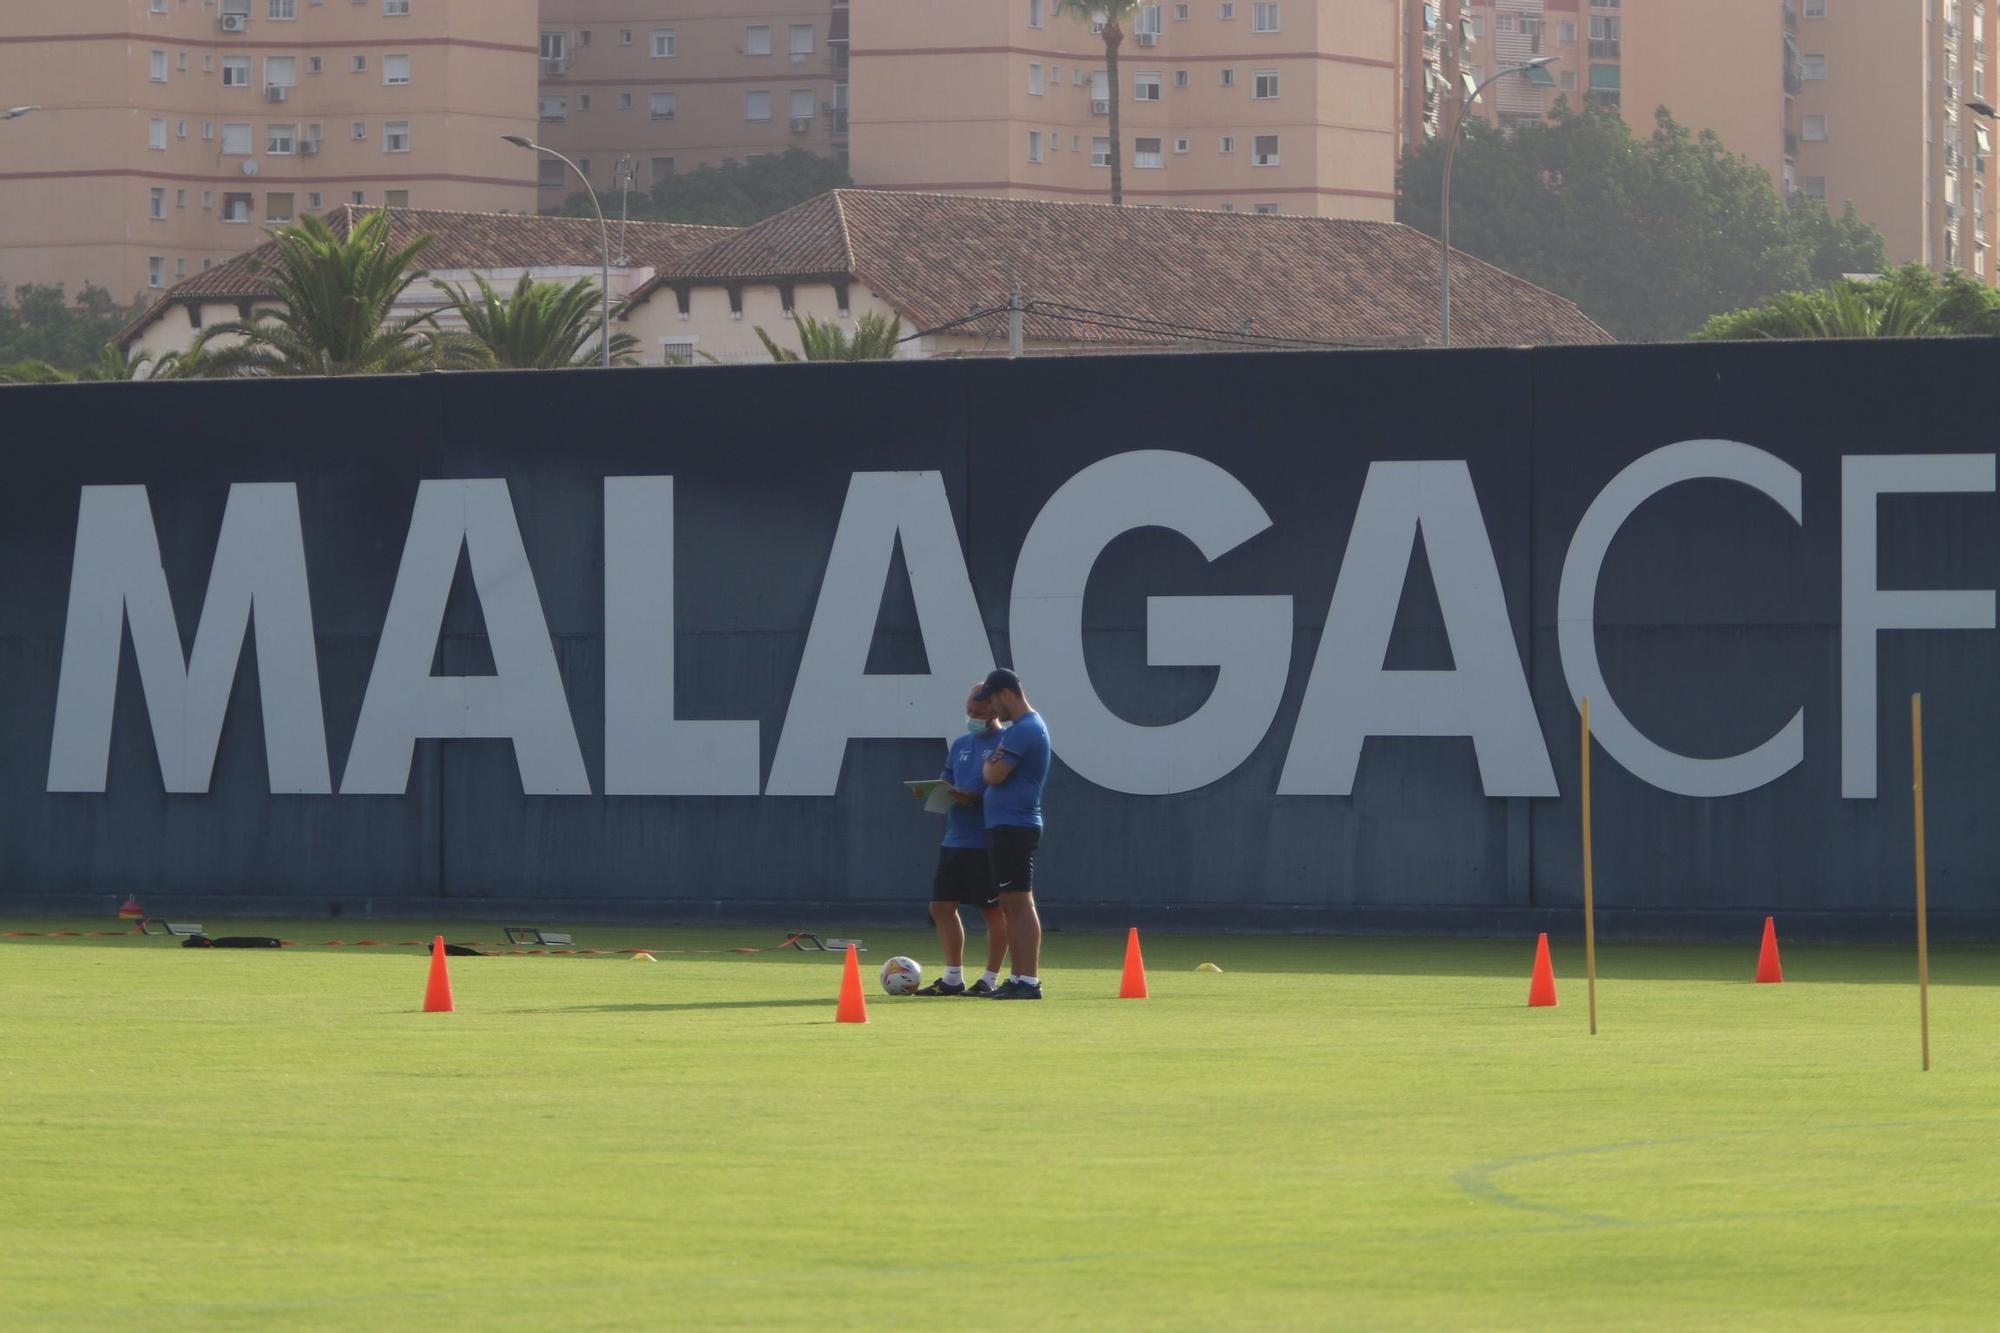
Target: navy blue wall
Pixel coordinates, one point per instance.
(1717, 618)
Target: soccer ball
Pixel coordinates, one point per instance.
(902, 976)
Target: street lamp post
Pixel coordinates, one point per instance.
(603, 232)
(1444, 219)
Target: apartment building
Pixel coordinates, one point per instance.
(1843, 100)
(647, 88)
(1245, 105)
(170, 132)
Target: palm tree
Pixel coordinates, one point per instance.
(1112, 14)
(1911, 302)
(113, 364)
(336, 298)
(33, 371)
(875, 338)
(542, 326)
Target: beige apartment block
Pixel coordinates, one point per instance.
(171, 132)
(663, 86)
(1858, 101)
(1245, 105)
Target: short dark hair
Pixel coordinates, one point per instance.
(997, 680)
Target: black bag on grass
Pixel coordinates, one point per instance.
(232, 942)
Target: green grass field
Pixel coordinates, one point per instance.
(1359, 1133)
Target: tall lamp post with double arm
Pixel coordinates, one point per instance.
(604, 232)
(1444, 214)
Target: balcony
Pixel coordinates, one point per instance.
(1791, 143)
(555, 67)
(1605, 48)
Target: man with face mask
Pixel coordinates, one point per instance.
(1015, 775)
(962, 875)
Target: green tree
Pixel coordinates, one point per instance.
(1912, 302)
(542, 326)
(113, 364)
(730, 194)
(1113, 14)
(1649, 237)
(336, 296)
(40, 323)
(875, 339)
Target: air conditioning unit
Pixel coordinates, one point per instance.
(555, 68)
(800, 124)
(308, 148)
(276, 92)
(1149, 39)
(235, 22)
(798, 58)
(1100, 106)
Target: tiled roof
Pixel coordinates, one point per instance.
(464, 241)
(1099, 273)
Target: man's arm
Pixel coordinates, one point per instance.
(997, 768)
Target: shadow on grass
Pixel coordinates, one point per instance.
(668, 1007)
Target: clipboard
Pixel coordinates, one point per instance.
(935, 793)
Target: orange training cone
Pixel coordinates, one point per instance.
(1542, 986)
(437, 995)
(1133, 987)
(853, 1008)
(1768, 966)
(131, 911)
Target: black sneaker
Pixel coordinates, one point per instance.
(1016, 989)
(943, 987)
(982, 989)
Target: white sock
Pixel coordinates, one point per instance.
(1030, 981)
(990, 977)
(954, 976)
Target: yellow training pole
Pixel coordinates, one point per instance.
(1589, 897)
(1923, 908)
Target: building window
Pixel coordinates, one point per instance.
(1228, 78)
(663, 169)
(236, 71)
(757, 106)
(1264, 16)
(1264, 150)
(1815, 9)
(1228, 9)
(395, 69)
(1814, 187)
(1037, 12)
(803, 106)
(359, 130)
(757, 40)
(801, 37)
(158, 6)
(1034, 80)
(680, 351)
(1815, 128)
(236, 140)
(663, 43)
(312, 200)
(1180, 13)
(180, 198)
(583, 38)
(1146, 87)
(555, 109)
(624, 101)
(395, 136)
(583, 102)
(1812, 65)
(1180, 145)
(315, 64)
(1146, 153)
(278, 207)
(1228, 144)
(359, 65)
(156, 271)
(283, 9)
(1180, 78)
(660, 106)
(396, 8)
(396, 198)
(1267, 209)
(360, 197)
(156, 202)
(280, 72)
(1264, 84)
(624, 36)
(180, 268)
(156, 67)
(555, 46)
(207, 200)
(156, 133)
(1567, 31)
(1034, 145)
(1100, 151)
(279, 139)
(549, 174)
(236, 207)
(1606, 33)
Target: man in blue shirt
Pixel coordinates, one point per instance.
(1014, 778)
(961, 870)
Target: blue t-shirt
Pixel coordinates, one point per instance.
(963, 826)
(1017, 802)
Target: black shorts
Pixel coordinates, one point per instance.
(1010, 858)
(961, 878)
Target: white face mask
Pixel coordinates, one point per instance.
(976, 725)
